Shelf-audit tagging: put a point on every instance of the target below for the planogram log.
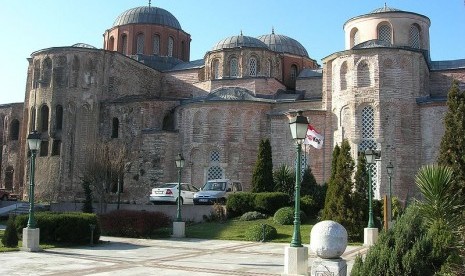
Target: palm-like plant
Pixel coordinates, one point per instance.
(440, 203)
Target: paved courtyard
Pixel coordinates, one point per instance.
(123, 256)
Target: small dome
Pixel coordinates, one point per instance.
(239, 41)
(283, 44)
(147, 15)
(385, 9)
(83, 45)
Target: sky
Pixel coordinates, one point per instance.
(31, 25)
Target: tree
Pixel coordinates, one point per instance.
(360, 197)
(452, 149)
(308, 185)
(262, 178)
(104, 168)
(284, 179)
(338, 204)
(10, 236)
(87, 207)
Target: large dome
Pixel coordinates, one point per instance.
(283, 44)
(147, 15)
(239, 41)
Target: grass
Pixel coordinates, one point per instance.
(235, 230)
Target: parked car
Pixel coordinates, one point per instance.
(168, 193)
(5, 195)
(217, 190)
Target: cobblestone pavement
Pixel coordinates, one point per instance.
(123, 256)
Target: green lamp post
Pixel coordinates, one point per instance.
(390, 171)
(179, 164)
(34, 140)
(299, 126)
(370, 156)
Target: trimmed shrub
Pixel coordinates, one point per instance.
(10, 237)
(217, 214)
(240, 203)
(254, 215)
(269, 203)
(284, 216)
(72, 228)
(261, 232)
(133, 224)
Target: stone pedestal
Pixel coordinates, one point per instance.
(334, 267)
(295, 261)
(179, 229)
(31, 239)
(370, 236)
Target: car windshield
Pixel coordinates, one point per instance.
(167, 185)
(214, 186)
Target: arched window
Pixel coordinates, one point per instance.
(414, 36)
(183, 51)
(35, 83)
(293, 73)
(216, 69)
(58, 117)
(233, 69)
(44, 112)
(14, 130)
(114, 128)
(354, 37)
(111, 44)
(140, 44)
(197, 129)
(343, 75)
(252, 66)
(59, 72)
(156, 44)
(384, 33)
(170, 46)
(368, 141)
(47, 71)
(363, 74)
(124, 44)
(215, 171)
(268, 68)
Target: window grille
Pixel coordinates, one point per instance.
(368, 142)
(233, 72)
(156, 45)
(215, 156)
(414, 37)
(140, 44)
(170, 46)
(215, 172)
(384, 33)
(252, 66)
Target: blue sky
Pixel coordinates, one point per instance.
(31, 25)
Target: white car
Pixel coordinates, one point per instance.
(168, 193)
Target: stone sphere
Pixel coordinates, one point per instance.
(328, 239)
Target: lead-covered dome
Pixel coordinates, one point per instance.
(239, 41)
(147, 15)
(385, 9)
(283, 44)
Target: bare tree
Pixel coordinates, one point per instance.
(104, 169)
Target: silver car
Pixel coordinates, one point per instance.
(168, 193)
(217, 190)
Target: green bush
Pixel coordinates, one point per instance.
(285, 216)
(240, 203)
(71, 228)
(133, 224)
(261, 232)
(269, 203)
(254, 215)
(309, 206)
(409, 248)
(10, 237)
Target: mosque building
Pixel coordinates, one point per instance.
(142, 92)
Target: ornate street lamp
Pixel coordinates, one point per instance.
(34, 140)
(370, 156)
(299, 126)
(390, 171)
(179, 164)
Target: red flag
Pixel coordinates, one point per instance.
(314, 138)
